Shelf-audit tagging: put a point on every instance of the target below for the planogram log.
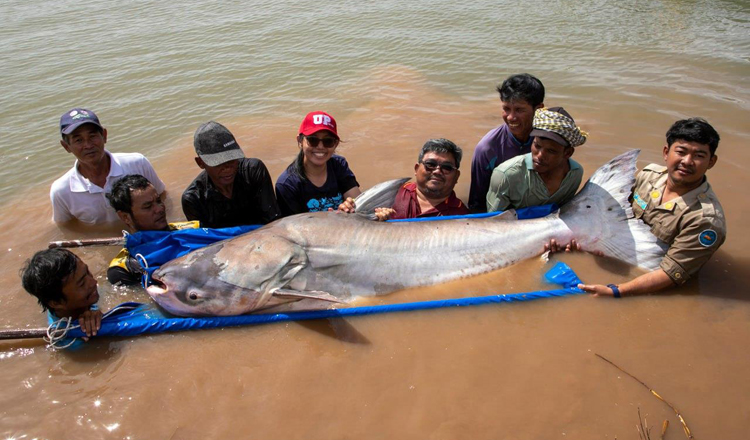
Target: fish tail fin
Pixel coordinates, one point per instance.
(602, 221)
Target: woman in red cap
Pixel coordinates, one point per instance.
(317, 180)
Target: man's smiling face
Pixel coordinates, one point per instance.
(518, 115)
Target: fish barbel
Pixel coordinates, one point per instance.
(312, 260)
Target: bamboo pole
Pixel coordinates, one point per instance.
(23, 333)
(119, 241)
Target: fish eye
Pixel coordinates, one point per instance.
(193, 296)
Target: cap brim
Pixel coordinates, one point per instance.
(71, 128)
(217, 159)
(314, 130)
(550, 135)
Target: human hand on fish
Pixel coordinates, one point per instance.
(384, 214)
(348, 206)
(553, 246)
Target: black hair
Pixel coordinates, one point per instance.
(43, 274)
(694, 130)
(522, 87)
(120, 195)
(298, 166)
(441, 146)
(66, 137)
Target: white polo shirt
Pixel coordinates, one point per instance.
(74, 196)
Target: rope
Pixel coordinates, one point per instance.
(144, 265)
(56, 335)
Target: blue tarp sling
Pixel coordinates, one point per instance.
(131, 319)
(158, 247)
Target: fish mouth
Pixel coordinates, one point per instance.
(157, 287)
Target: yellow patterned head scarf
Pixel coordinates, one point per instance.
(556, 124)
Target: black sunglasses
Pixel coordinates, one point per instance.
(446, 167)
(328, 142)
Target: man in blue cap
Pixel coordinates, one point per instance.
(81, 192)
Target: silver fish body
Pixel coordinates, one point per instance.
(306, 261)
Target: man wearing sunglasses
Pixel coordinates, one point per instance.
(431, 195)
(545, 175)
(232, 190)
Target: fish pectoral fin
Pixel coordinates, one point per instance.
(306, 294)
(507, 215)
(381, 195)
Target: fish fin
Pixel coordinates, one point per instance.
(381, 195)
(507, 215)
(602, 220)
(306, 294)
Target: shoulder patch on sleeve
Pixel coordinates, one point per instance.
(707, 238)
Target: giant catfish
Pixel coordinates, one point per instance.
(307, 261)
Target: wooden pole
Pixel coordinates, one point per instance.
(23, 333)
(119, 241)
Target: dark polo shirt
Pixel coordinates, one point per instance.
(253, 201)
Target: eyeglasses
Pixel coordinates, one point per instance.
(446, 167)
(328, 142)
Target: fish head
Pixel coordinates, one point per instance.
(228, 278)
(192, 286)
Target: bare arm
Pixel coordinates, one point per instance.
(651, 282)
(352, 193)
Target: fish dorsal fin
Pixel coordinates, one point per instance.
(617, 177)
(306, 294)
(381, 195)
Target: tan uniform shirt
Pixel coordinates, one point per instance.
(515, 184)
(692, 225)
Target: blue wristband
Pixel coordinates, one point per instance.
(615, 290)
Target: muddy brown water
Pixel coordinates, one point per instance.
(523, 370)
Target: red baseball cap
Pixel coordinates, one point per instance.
(316, 121)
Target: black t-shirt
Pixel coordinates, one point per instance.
(298, 195)
(252, 202)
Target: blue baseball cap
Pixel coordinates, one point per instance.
(76, 117)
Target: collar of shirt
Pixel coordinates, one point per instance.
(687, 199)
(530, 163)
(519, 143)
(78, 183)
(210, 191)
(451, 202)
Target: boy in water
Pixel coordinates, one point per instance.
(64, 287)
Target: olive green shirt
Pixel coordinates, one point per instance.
(515, 184)
(692, 225)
